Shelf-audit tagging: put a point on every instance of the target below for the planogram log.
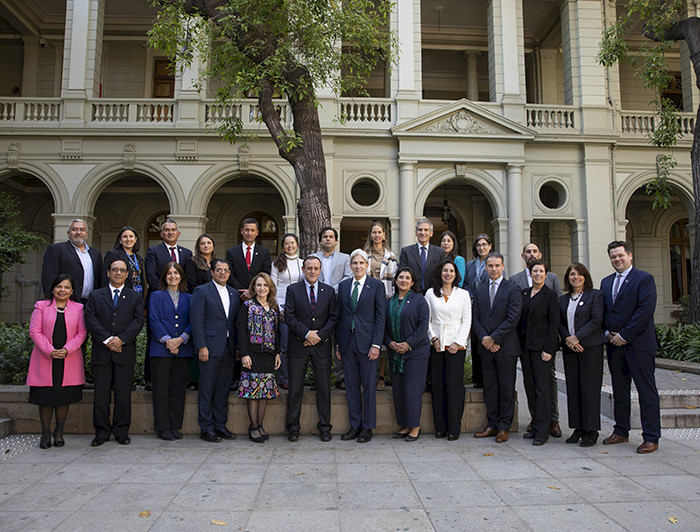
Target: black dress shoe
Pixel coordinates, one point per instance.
(452, 437)
(211, 437)
(123, 441)
(478, 385)
(293, 436)
(365, 436)
(441, 434)
(575, 436)
(176, 434)
(529, 435)
(326, 436)
(58, 442)
(97, 441)
(589, 438)
(166, 435)
(352, 434)
(45, 442)
(413, 438)
(537, 442)
(225, 434)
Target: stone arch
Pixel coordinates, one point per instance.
(482, 181)
(211, 180)
(681, 185)
(99, 178)
(48, 176)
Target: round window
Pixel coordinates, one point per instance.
(552, 195)
(365, 192)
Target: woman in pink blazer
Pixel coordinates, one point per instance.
(56, 372)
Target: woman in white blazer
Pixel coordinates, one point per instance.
(450, 322)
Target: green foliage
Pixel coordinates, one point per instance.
(684, 310)
(679, 342)
(14, 241)
(290, 46)
(653, 19)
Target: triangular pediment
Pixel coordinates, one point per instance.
(463, 118)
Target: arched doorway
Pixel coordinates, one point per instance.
(244, 197)
(23, 281)
(132, 199)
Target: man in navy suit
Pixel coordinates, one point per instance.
(496, 311)
(247, 259)
(75, 258)
(311, 311)
(422, 257)
(359, 336)
(114, 317)
(156, 258)
(213, 312)
(630, 300)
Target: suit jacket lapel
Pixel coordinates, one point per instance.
(623, 285)
(74, 253)
(217, 298)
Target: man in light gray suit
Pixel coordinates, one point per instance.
(531, 253)
(335, 266)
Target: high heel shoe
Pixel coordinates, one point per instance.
(254, 434)
(45, 442)
(413, 438)
(57, 442)
(263, 433)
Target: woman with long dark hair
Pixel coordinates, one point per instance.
(448, 243)
(126, 247)
(56, 372)
(198, 268)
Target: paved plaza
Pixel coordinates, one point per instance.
(382, 485)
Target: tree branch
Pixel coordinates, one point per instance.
(687, 30)
(274, 124)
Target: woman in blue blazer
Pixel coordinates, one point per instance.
(171, 349)
(407, 317)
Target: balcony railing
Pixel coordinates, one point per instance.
(247, 111)
(132, 111)
(367, 111)
(548, 118)
(30, 110)
(643, 123)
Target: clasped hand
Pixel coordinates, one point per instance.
(59, 353)
(490, 344)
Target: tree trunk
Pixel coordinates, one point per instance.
(694, 309)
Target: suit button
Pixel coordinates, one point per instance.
(313, 319)
(176, 316)
(176, 325)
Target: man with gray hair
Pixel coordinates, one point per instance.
(422, 257)
(75, 258)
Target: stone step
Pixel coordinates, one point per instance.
(5, 427)
(680, 418)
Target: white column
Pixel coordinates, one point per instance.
(30, 65)
(186, 91)
(598, 207)
(548, 76)
(472, 75)
(500, 240)
(514, 179)
(579, 241)
(290, 224)
(407, 202)
(407, 15)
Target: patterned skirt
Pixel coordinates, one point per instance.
(257, 385)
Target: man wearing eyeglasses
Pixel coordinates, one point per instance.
(113, 316)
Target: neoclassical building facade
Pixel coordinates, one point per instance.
(495, 117)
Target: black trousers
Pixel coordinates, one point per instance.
(169, 379)
(448, 390)
(407, 389)
(499, 388)
(626, 364)
(584, 378)
(296, 370)
(536, 378)
(108, 377)
(477, 372)
(214, 385)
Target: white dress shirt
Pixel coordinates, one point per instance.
(112, 288)
(225, 298)
(173, 249)
(88, 272)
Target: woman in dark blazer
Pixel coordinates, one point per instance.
(582, 339)
(126, 248)
(198, 268)
(407, 317)
(171, 349)
(538, 330)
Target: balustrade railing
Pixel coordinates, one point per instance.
(141, 111)
(645, 123)
(366, 111)
(30, 110)
(548, 117)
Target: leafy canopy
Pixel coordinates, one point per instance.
(653, 19)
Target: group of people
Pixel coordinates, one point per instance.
(247, 320)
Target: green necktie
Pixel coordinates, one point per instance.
(353, 301)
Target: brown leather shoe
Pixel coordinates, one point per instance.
(486, 433)
(614, 439)
(647, 447)
(502, 436)
(554, 429)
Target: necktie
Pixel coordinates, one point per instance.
(353, 301)
(423, 262)
(173, 258)
(247, 258)
(312, 299)
(616, 286)
(116, 298)
(492, 293)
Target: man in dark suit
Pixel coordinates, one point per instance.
(311, 311)
(630, 301)
(359, 336)
(422, 257)
(156, 258)
(524, 281)
(213, 312)
(247, 259)
(496, 311)
(75, 258)
(113, 316)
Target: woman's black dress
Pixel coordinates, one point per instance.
(56, 395)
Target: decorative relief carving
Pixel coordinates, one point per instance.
(244, 157)
(462, 122)
(129, 155)
(13, 153)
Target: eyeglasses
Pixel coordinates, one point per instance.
(118, 270)
(221, 270)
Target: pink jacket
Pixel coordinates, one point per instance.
(41, 330)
